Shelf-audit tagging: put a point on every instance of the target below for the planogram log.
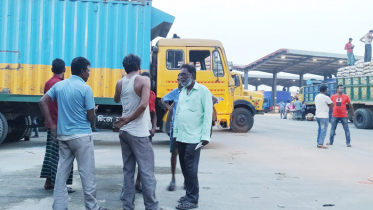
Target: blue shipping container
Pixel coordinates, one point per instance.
(35, 32)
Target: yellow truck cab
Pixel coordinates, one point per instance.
(254, 97)
(235, 111)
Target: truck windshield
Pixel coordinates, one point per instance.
(265, 100)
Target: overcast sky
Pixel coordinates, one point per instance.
(251, 29)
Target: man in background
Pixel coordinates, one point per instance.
(282, 108)
(152, 127)
(287, 109)
(367, 39)
(173, 97)
(303, 110)
(50, 164)
(298, 109)
(350, 53)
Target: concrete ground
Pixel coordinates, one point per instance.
(275, 165)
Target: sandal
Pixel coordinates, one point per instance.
(70, 190)
(186, 205)
(50, 187)
(102, 208)
(322, 147)
(172, 186)
(138, 188)
(329, 144)
(182, 199)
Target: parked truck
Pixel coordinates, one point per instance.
(104, 32)
(309, 92)
(280, 96)
(360, 91)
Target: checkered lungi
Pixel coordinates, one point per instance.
(50, 164)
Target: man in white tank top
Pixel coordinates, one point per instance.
(367, 39)
(133, 91)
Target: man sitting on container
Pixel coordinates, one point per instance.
(323, 104)
(340, 101)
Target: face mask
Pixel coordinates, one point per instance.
(187, 84)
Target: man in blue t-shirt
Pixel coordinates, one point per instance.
(76, 111)
(172, 97)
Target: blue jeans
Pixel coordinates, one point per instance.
(323, 127)
(335, 122)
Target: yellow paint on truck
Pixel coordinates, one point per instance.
(213, 72)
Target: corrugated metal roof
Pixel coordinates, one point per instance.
(298, 61)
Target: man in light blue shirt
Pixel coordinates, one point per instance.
(298, 108)
(192, 126)
(282, 108)
(76, 109)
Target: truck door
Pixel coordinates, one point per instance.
(212, 72)
(170, 60)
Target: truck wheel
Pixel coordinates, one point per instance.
(243, 120)
(363, 119)
(19, 128)
(266, 110)
(3, 128)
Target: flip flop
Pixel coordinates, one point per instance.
(322, 147)
(70, 190)
(49, 187)
(172, 186)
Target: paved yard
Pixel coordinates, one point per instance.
(276, 163)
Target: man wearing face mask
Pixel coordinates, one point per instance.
(192, 126)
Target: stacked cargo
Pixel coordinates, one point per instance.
(359, 69)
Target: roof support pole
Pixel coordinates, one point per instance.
(325, 75)
(274, 88)
(301, 79)
(256, 87)
(246, 78)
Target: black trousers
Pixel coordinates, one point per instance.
(189, 160)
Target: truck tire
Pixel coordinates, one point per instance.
(3, 128)
(20, 128)
(242, 120)
(266, 110)
(363, 118)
